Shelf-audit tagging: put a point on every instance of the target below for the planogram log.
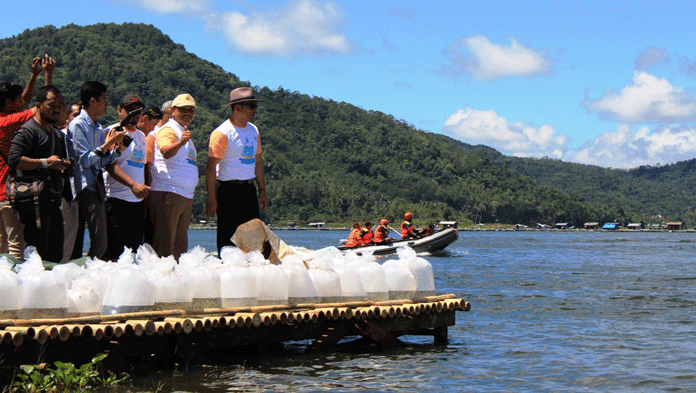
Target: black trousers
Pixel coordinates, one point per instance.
(125, 226)
(237, 204)
(48, 239)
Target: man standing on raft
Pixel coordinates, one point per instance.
(234, 165)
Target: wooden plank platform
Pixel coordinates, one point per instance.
(174, 333)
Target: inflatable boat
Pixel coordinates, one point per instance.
(436, 241)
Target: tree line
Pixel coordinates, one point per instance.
(332, 161)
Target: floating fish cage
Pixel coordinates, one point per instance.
(185, 334)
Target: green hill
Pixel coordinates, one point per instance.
(325, 160)
(652, 193)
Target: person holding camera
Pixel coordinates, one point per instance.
(38, 153)
(125, 203)
(13, 113)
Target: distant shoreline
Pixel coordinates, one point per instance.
(623, 230)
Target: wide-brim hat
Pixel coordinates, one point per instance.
(242, 94)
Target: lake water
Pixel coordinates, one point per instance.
(551, 311)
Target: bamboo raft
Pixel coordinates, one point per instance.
(176, 333)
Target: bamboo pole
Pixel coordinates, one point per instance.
(64, 333)
(87, 331)
(186, 324)
(42, 336)
(13, 337)
(99, 331)
(440, 297)
(119, 330)
(249, 319)
(94, 319)
(332, 305)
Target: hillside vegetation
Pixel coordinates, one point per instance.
(332, 161)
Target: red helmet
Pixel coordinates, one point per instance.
(408, 216)
(384, 222)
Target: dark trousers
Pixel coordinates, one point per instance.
(237, 204)
(93, 209)
(48, 239)
(125, 226)
(79, 238)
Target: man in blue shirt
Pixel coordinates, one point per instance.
(95, 152)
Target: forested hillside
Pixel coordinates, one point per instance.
(325, 160)
(653, 193)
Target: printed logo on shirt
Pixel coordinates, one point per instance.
(248, 153)
(191, 158)
(137, 158)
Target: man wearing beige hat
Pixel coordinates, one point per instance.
(174, 178)
(234, 165)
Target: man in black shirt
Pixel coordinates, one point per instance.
(38, 149)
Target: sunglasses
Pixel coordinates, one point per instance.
(251, 105)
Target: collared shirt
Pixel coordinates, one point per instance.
(87, 136)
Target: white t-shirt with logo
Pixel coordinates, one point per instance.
(132, 163)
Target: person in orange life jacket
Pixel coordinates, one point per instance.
(382, 233)
(366, 234)
(407, 231)
(354, 237)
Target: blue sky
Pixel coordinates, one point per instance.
(595, 82)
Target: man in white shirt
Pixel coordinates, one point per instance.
(174, 178)
(234, 166)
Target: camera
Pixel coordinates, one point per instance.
(126, 140)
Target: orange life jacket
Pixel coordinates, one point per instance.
(380, 233)
(365, 236)
(354, 238)
(407, 229)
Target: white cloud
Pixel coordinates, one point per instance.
(647, 99)
(175, 6)
(486, 61)
(304, 27)
(626, 148)
(650, 57)
(486, 127)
